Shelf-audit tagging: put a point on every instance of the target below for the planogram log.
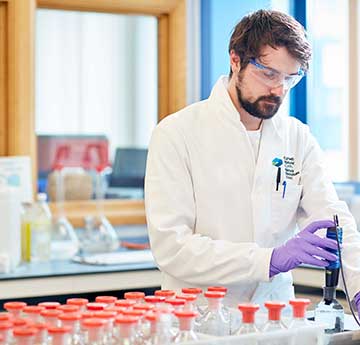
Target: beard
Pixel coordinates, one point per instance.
(264, 107)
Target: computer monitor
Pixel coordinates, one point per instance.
(128, 168)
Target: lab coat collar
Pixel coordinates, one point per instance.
(221, 97)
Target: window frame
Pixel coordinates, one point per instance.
(17, 87)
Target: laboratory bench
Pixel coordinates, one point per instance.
(65, 277)
(61, 277)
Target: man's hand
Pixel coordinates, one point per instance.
(304, 248)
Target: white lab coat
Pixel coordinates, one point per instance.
(213, 213)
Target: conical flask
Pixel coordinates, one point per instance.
(99, 235)
(64, 242)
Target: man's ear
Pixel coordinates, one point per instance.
(235, 63)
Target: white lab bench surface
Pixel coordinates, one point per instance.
(61, 277)
(66, 277)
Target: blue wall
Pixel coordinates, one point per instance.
(218, 18)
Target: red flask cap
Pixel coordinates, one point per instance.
(14, 305)
(165, 293)
(33, 309)
(134, 295)
(299, 306)
(68, 308)
(214, 294)
(217, 288)
(248, 311)
(77, 301)
(125, 303)
(195, 291)
(105, 299)
(154, 299)
(187, 297)
(274, 309)
(126, 319)
(95, 306)
(49, 305)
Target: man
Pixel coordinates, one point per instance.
(227, 181)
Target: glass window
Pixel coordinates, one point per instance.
(327, 82)
(96, 87)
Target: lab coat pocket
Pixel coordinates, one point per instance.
(283, 209)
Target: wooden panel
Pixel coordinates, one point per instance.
(154, 7)
(117, 211)
(21, 129)
(177, 58)
(3, 78)
(163, 66)
(20, 37)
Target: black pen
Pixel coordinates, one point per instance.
(277, 162)
(278, 178)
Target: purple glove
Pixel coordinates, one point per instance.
(302, 248)
(357, 302)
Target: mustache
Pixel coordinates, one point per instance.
(274, 99)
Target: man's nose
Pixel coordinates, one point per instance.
(278, 91)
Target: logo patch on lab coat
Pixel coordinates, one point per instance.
(289, 165)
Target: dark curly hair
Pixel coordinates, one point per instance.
(273, 28)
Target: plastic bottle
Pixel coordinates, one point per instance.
(109, 318)
(274, 322)
(67, 308)
(26, 232)
(108, 300)
(186, 326)
(164, 333)
(93, 331)
(49, 305)
(190, 301)
(165, 293)
(117, 310)
(40, 227)
(248, 318)
(152, 318)
(41, 337)
(80, 302)
(198, 292)
(5, 331)
(5, 316)
(59, 335)
(125, 303)
(139, 327)
(136, 296)
(51, 316)
(234, 324)
(299, 308)
(157, 301)
(33, 312)
(175, 304)
(330, 312)
(20, 322)
(213, 321)
(72, 321)
(94, 306)
(126, 330)
(15, 308)
(24, 335)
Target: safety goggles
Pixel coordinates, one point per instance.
(273, 78)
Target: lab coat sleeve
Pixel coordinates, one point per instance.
(171, 217)
(320, 201)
